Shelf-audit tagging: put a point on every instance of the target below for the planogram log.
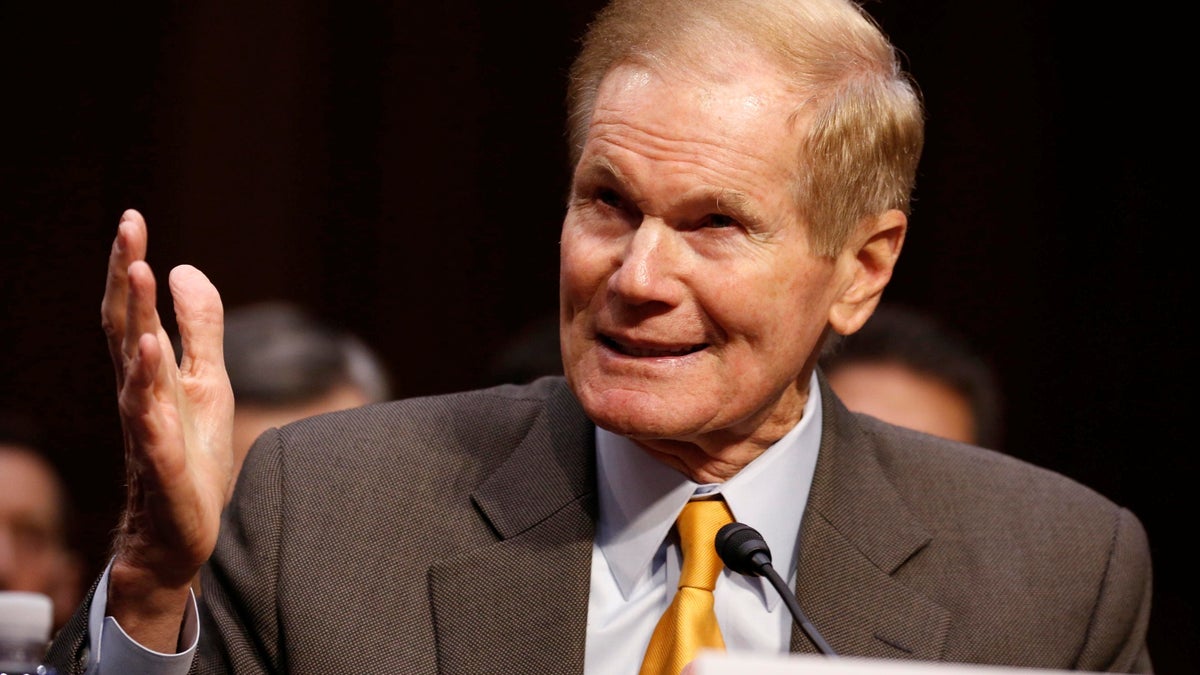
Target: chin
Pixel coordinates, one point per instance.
(640, 413)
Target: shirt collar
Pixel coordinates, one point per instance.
(640, 497)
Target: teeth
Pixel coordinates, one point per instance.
(638, 351)
(647, 352)
(650, 352)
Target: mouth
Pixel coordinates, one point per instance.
(650, 351)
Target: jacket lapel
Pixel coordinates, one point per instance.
(520, 604)
(857, 532)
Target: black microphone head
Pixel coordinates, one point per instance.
(742, 549)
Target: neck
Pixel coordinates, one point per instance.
(716, 460)
(693, 461)
(715, 456)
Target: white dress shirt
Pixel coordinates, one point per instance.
(635, 560)
(112, 652)
(635, 563)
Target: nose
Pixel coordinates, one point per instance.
(650, 266)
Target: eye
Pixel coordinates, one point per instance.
(718, 221)
(31, 539)
(609, 197)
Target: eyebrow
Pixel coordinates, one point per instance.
(733, 202)
(601, 166)
(726, 201)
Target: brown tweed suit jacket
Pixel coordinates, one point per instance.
(453, 534)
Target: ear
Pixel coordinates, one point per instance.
(866, 266)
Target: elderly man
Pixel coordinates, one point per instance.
(742, 171)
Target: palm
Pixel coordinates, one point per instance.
(177, 420)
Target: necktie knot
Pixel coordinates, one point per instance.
(698, 524)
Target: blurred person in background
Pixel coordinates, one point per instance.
(907, 367)
(37, 552)
(532, 352)
(286, 364)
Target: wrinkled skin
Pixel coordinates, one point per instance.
(691, 299)
(177, 424)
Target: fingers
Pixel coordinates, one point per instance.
(137, 397)
(140, 413)
(141, 315)
(128, 246)
(146, 365)
(200, 316)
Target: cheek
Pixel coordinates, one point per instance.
(581, 267)
(781, 312)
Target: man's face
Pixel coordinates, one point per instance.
(33, 556)
(900, 395)
(691, 299)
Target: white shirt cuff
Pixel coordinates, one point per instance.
(113, 652)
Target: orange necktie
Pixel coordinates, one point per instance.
(689, 624)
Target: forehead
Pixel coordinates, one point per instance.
(731, 108)
(735, 90)
(26, 484)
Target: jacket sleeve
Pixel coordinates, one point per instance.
(1116, 640)
(239, 619)
(69, 650)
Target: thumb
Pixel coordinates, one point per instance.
(201, 319)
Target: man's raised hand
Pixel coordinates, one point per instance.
(177, 426)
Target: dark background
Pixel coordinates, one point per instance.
(401, 169)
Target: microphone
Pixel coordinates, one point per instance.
(744, 551)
